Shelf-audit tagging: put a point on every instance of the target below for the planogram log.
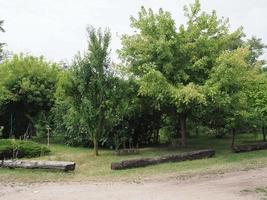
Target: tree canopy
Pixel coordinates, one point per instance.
(173, 79)
(27, 87)
(1, 44)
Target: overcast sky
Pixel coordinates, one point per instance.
(57, 28)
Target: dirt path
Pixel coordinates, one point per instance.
(248, 185)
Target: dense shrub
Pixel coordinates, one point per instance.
(27, 87)
(17, 148)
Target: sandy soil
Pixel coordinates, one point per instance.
(230, 186)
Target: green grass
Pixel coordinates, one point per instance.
(91, 168)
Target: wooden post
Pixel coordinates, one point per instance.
(48, 136)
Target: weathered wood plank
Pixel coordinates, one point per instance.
(249, 147)
(163, 159)
(38, 164)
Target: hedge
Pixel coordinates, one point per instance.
(19, 148)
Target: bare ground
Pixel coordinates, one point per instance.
(247, 185)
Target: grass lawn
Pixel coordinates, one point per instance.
(91, 168)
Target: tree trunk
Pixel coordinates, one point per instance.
(99, 130)
(96, 146)
(11, 126)
(156, 136)
(183, 129)
(263, 133)
(197, 131)
(233, 137)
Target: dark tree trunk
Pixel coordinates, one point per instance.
(11, 125)
(99, 130)
(183, 129)
(233, 137)
(156, 136)
(136, 136)
(96, 146)
(263, 133)
(197, 131)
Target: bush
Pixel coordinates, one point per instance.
(10, 148)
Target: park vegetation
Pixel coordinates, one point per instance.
(174, 81)
(12, 149)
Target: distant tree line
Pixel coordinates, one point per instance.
(173, 80)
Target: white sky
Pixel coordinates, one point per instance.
(57, 28)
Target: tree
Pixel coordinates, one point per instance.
(257, 98)
(27, 86)
(84, 90)
(226, 90)
(172, 63)
(256, 47)
(92, 71)
(137, 122)
(1, 44)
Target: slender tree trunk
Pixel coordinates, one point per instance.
(263, 133)
(11, 125)
(98, 132)
(96, 146)
(183, 129)
(157, 137)
(233, 137)
(197, 131)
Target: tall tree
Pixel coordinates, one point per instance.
(90, 84)
(257, 97)
(227, 99)
(173, 63)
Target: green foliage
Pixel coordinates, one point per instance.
(1, 44)
(1, 131)
(67, 124)
(10, 148)
(87, 88)
(27, 87)
(174, 63)
(199, 71)
(256, 47)
(225, 88)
